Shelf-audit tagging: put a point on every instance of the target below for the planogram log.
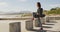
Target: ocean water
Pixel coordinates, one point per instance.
(9, 16)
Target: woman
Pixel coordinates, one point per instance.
(39, 11)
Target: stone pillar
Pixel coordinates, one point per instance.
(15, 27)
(43, 20)
(29, 25)
(37, 23)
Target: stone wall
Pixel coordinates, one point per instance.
(15, 27)
(53, 18)
(29, 25)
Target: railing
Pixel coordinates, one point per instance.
(28, 24)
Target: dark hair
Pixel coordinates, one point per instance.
(38, 4)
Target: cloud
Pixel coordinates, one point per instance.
(9, 9)
(3, 4)
(54, 5)
(22, 0)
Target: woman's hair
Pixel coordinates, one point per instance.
(38, 4)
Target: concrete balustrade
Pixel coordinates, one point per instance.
(53, 18)
(29, 25)
(26, 25)
(16, 26)
(37, 23)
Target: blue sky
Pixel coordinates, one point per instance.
(10, 6)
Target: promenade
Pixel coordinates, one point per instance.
(13, 24)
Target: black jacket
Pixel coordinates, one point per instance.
(40, 11)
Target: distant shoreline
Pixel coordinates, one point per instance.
(14, 18)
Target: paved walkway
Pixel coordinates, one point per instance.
(53, 25)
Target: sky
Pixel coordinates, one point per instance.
(12, 6)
